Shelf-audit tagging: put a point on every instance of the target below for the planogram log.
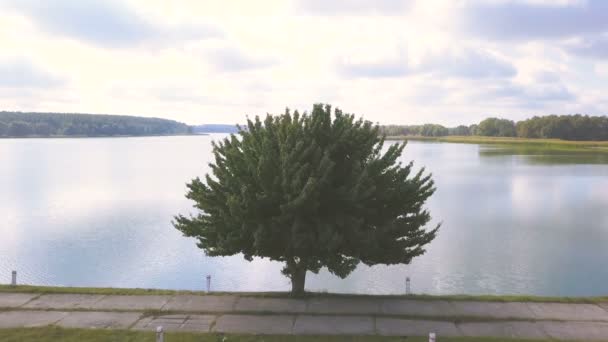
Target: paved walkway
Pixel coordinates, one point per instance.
(316, 316)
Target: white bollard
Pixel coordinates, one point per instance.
(14, 278)
(160, 334)
(407, 286)
(432, 337)
(208, 283)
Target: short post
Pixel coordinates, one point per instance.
(160, 334)
(407, 286)
(14, 278)
(208, 283)
(432, 337)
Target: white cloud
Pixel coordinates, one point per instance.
(462, 63)
(592, 47)
(353, 7)
(391, 61)
(232, 59)
(21, 73)
(546, 77)
(527, 20)
(106, 23)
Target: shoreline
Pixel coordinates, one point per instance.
(573, 145)
(552, 144)
(308, 295)
(105, 136)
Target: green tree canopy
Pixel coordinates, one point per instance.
(568, 127)
(314, 190)
(495, 127)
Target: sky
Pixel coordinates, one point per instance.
(391, 61)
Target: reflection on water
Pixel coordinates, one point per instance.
(545, 156)
(97, 212)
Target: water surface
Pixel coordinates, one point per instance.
(97, 212)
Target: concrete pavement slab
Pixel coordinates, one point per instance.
(493, 309)
(430, 308)
(28, 319)
(194, 303)
(568, 311)
(64, 301)
(254, 324)
(11, 300)
(283, 305)
(583, 331)
(99, 320)
(344, 305)
(509, 329)
(406, 327)
(332, 316)
(131, 303)
(333, 325)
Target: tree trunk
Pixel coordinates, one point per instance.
(298, 280)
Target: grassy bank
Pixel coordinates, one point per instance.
(545, 143)
(48, 334)
(143, 292)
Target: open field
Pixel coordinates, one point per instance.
(544, 143)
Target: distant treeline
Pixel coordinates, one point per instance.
(566, 127)
(18, 124)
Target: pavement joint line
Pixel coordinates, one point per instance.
(458, 328)
(184, 322)
(236, 302)
(532, 311)
(293, 323)
(212, 326)
(30, 300)
(59, 320)
(375, 324)
(167, 302)
(529, 309)
(100, 299)
(451, 304)
(542, 328)
(601, 307)
(213, 323)
(132, 325)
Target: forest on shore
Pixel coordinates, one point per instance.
(565, 127)
(25, 124)
(21, 124)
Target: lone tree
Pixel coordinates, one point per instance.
(312, 191)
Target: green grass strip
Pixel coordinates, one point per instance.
(48, 334)
(597, 146)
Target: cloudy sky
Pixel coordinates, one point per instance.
(392, 61)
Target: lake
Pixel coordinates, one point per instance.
(98, 211)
